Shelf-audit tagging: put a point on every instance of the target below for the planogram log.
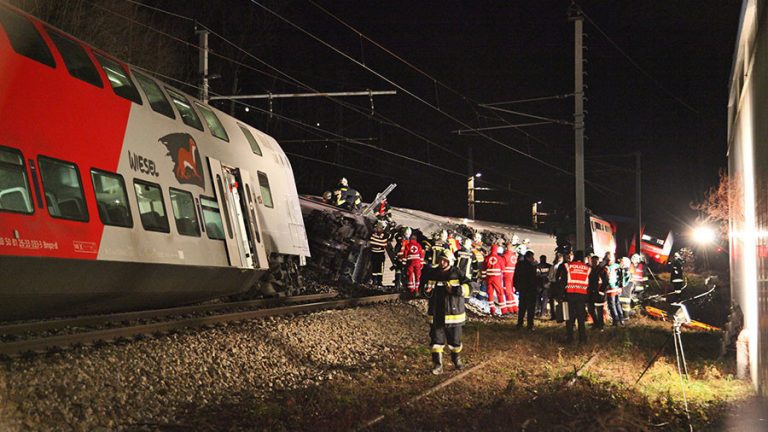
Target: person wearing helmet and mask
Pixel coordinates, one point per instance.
(447, 290)
(493, 270)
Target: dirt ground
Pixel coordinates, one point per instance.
(521, 380)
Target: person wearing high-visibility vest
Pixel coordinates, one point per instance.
(576, 286)
(447, 290)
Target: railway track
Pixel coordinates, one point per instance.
(221, 314)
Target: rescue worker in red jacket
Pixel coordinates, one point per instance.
(576, 294)
(415, 260)
(447, 290)
(494, 267)
(510, 264)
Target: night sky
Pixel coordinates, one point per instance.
(671, 106)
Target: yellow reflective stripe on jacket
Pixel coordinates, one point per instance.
(465, 290)
(452, 319)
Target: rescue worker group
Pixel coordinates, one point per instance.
(497, 276)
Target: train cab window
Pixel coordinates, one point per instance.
(75, 58)
(184, 212)
(24, 37)
(118, 79)
(266, 192)
(63, 189)
(251, 140)
(186, 111)
(212, 218)
(14, 188)
(155, 96)
(111, 199)
(217, 129)
(149, 198)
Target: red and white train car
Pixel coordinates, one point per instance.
(118, 191)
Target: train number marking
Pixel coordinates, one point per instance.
(84, 247)
(142, 164)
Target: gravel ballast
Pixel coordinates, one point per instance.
(153, 384)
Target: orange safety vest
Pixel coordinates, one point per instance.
(578, 277)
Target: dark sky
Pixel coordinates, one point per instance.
(672, 108)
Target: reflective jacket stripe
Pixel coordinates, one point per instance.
(452, 319)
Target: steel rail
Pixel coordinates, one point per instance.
(39, 326)
(11, 349)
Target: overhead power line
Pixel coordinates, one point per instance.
(403, 89)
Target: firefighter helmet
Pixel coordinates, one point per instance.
(344, 182)
(446, 254)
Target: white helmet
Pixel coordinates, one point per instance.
(344, 181)
(443, 235)
(499, 250)
(478, 237)
(467, 244)
(407, 232)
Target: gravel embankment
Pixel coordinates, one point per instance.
(153, 383)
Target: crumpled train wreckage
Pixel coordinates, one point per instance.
(339, 243)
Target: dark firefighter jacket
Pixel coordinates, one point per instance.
(447, 290)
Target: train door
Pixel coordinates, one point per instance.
(243, 238)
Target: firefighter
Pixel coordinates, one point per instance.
(384, 211)
(493, 269)
(415, 260)
(508, 280)
(596, 292)
(432, 250)
(613, 289)
(554, 287)
(638, 276)
(378, 243)
(399, 253)
(676, 277)
(477, 251)
(626, 283)
(447, 290)
(347, 197)
(465, 259)
(576, 286)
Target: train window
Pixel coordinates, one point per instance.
(24, 37)
(155, 96)
(188, 114)
(118, 79)
(212, 218)
(111, 199)
(149, 198)
(14, 188)
(184, 212)
(217, 129)
(266, 192)
(75, 58)
(63, 189)
(251, 140)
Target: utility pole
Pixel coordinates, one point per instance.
(203, 64)
(574, 14)
(470, 185)
(638, 203)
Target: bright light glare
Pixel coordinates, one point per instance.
(704, 235)
(479, 175)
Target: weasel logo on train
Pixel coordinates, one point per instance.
(182, 149)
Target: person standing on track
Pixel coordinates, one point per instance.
(415, 260)
(447, 290)
(510, 264)
(494, 266)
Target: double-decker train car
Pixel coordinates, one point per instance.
(118, 191)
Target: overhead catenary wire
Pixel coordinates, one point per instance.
(406, 91)
(293, 81)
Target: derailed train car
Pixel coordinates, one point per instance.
(339, 238)
(119, 192)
